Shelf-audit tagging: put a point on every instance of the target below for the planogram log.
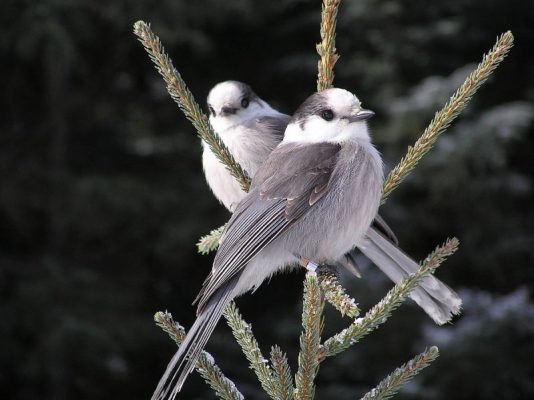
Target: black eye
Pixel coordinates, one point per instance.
(244, 103)
(327, 115)
(212, 111)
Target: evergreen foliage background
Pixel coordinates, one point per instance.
(102, 195)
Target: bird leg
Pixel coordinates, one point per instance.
(308, 264)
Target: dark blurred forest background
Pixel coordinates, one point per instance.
(102, 194)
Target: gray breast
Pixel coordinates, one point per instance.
(339, 220)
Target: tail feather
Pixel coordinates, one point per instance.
(350, 264)
(183, 362)
(437, 299)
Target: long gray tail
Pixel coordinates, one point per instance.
(183, 362)
(438, 300)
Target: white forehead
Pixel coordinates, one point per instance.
(225, 92)
(341, 99)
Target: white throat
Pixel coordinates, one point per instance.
(317, 130)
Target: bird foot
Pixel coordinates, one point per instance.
(308, 264)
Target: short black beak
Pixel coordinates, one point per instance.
(228, 111)
(362, 115)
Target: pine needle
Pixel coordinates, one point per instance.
(335, 294)
(392, 383)
(282, 374)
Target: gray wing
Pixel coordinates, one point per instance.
(292, 179)
(274, 124)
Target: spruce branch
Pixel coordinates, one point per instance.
(310, 338)
(210, 242)
(443, 118)
(282, 373)
(243, 334)
(181, 94)
(205, 366)
(389, 386)
(379, 314)
(335, 294)
(327, 47)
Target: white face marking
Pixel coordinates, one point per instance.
(314, 128)
(230, 95)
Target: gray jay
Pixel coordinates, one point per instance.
(249, 127)
(314, 197)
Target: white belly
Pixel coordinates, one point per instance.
(223, 185)
(250, 148)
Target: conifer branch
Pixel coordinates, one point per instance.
(181, 94)
(243, 334)
(390, 385)
(310, 338)
(379, 314)
(210, 242)
(205, 366)
(282, 373)
(443, 118)
(327, 47)
(335, 294)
